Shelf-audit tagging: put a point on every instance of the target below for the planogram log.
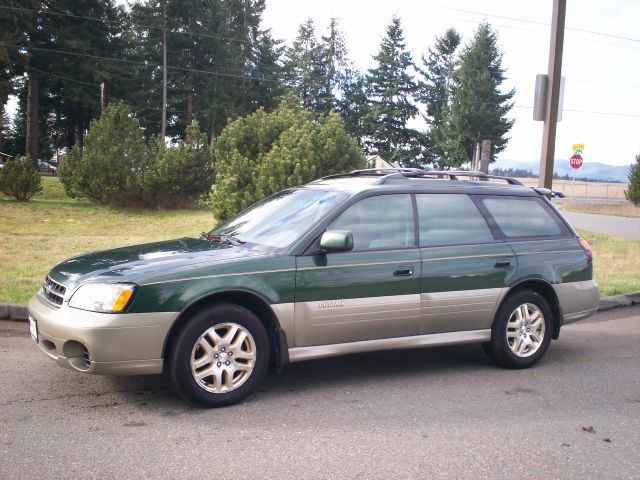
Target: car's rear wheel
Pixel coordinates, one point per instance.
(521, 331)
(220, 356)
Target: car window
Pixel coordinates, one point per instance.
(523, 217)
(446, 219)
(381, 222)
(279, 220)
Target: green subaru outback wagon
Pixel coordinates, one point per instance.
(359, 262)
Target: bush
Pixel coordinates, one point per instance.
(19, 179)
(116, 166)
(633, 190)
(263, 153)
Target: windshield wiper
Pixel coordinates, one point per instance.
(222, 238)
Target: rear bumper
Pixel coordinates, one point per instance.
(577, 300)
(100, 343)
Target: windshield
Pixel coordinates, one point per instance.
(280, 219)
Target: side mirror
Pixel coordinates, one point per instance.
(336, 241)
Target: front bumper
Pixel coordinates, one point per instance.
(101, 343)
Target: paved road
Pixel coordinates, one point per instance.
(444, 413)
(625, 227)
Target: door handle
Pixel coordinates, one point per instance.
(503, 263)
(403, 271)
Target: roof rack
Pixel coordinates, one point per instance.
(394, 173)
(454, 174)
(378, 172)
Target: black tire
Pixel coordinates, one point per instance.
(499, 349)
(182, 348)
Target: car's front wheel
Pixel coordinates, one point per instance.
(220, 356)
(521, 331)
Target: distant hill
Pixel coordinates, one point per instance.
(590, 170)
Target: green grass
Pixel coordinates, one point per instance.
(616, 263)
(37, 234)
(622, 210)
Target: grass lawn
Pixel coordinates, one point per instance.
(616, 263)
(621, 210)
(37, 234)
(51, 227)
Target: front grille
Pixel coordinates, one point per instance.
(53, 291)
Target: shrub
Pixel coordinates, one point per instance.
(19, 179)
(263, 153)
(633, 190)
(116, 166)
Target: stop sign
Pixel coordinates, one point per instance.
(575, 161)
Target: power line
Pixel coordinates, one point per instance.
(103, 20)
(534, 22)
(613, 114)
(65, 78)
(135, 62)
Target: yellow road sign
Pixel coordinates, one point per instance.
(578, 146)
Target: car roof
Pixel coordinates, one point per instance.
(415, 180)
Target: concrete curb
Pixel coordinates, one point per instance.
(20, 313)
(13, 312)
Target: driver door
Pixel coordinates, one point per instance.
(370, 292)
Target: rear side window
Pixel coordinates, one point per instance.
(524, 217)
(447, 219)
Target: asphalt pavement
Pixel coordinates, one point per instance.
(626, 227)
(432, 413)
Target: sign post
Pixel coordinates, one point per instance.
(576, 162)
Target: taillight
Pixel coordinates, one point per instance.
(587, 249)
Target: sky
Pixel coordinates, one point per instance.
(602, 72)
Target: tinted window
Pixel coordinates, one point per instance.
(446, 219)
(385, 221)
(523, 217)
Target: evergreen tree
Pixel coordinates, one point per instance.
(632, 193)
(478, 106)
(304, 68)
(263, 153)
(435, 93)
(336, 64)
(391, 87)
(266, 89)
(353, 105)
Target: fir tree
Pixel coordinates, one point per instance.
(304, 67)
(479, 108)
(391, 87)
(435, 93)
(632, 193)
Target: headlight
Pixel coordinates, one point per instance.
(102, 297)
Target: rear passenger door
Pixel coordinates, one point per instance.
(370, 292)
(464, 267)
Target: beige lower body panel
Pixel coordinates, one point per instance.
(117, 344)
(354, 319)
(299, 354)
(577, 300)
(459, 310)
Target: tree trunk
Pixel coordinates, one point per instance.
(189, 117)
(33, 95)
(2, 125)
(485, 156)
(163, 124)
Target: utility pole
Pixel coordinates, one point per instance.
(163, 125)
(553, 93)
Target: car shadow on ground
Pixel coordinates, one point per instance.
(368, 368)
(361, 370)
